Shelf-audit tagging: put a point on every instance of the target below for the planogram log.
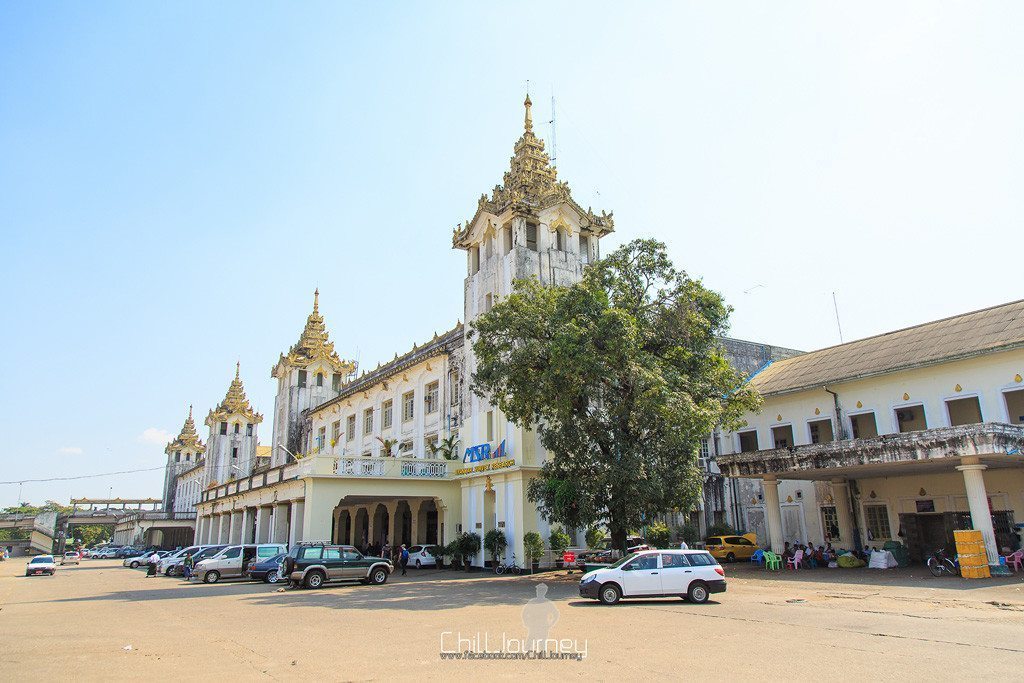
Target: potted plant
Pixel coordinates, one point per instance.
(469, 546)
(558, 541)
(452, 550)
(495, 543)
(533, 546)
(440, 552)
(446, 448)
(387, 446)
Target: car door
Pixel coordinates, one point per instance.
(354, 564)
(333, 563)
(642, 576)
(676, 573)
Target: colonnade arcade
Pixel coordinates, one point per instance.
(363, 521)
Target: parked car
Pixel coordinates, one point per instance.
(731, 548)
(421, 556)
(40, 564)
(266, 570)
(229, 562)
(168, 563)
(313, 564)
(688, 574)
(136, 561)
(71, 557)
(174, 568)
(606, 554)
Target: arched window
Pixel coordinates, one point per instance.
(319, 379)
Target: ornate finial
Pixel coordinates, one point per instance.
(316, 300)
(190, 410)
(238, 369)
(528, 121)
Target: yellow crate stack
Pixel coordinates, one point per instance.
(970, 548)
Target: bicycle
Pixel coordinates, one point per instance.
(939, 564)
(510, 567)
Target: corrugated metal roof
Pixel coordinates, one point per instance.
(961, 336)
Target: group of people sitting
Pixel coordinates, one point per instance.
(811, 557)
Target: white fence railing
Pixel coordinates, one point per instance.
(419, 468)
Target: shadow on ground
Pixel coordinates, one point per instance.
(907, 577)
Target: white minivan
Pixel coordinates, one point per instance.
(689, 574)
(228, 563)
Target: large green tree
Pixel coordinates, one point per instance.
(622, 375)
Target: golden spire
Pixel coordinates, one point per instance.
(188, 439)
(235, 403)
(528, 121)
(314, 344)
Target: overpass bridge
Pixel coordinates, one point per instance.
(132, 523)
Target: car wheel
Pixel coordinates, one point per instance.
(610, 594)
(314, 579)
(378, 576)
(212, 576)
(698, 593)
(134, 565)
(418, 565)
(731, 557)
(271, 577)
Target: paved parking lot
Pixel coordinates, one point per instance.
(80, 623)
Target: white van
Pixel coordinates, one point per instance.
(687, 574)
(228, 563)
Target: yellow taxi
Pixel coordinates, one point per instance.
(731, 548)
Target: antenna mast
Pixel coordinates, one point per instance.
(836, 307)
(554, 144)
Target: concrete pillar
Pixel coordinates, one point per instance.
(248, 518)
(280, 524)
(295, 534)
(841, 498)
(222, 531)
(977, 501)
(394, 530)
(262, 525)
(414, 531)
(199, 530)
(773, 514)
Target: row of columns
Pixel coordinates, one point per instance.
(276, 523)
(377, 535)
(977, 503)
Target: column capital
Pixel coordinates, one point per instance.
(968, 468)
(770, 479)
(839, 481)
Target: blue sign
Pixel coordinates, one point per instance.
(477, 453)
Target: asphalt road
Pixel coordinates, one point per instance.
(101, 621)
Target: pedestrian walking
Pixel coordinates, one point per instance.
(186, 566)
(151, 570)
(404, 558)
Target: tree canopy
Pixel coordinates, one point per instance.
(622, 375)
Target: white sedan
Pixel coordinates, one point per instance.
(71, 557)
(420, 556)
(41, 564)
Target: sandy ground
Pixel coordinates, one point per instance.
(80, 623)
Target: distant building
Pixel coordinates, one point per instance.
(905, 436)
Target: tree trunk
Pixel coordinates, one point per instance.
(618, 538)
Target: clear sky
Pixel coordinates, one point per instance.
(176, 179)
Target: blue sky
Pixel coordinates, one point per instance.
(176, 180)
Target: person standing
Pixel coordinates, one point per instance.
(186, 566)
(153, 559)
(404, 558)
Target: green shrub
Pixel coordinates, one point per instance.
(594, 537)
(558, 541)
(658, 535)
(690, 534)
(721, 530)
(533, 545)
(469, 545)
(495, 543)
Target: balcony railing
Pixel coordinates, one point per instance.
(418, 468)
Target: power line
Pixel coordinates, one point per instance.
(83, 476)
